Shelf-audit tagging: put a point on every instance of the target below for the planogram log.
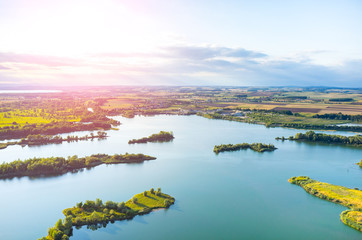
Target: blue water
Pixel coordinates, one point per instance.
(233, 195)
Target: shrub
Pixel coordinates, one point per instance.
(145, 193)
(134, 200)
(167, 203)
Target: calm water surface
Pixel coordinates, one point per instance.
(233, 195)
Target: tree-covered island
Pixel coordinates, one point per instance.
(36, 167)
(311, 136)
(258, 147)
(162, 136)
(37, 140)
(97, 212)
(351, 198)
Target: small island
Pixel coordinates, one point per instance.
(359, 164)
(37, 140)
(96, 212)
(258, 147)
(351, 198)
(162, 136)
(36, 167)
(311, 136)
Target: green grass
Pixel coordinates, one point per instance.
(351, 198)
(152, 201)
(23, 117)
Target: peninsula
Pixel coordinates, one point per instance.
(97, 212)
(351, 198)
(162, 136)
(36, 167)
(258, 147)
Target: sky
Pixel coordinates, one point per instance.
(181, 42)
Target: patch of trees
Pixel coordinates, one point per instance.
(311, 136)
(162, 136)
(59, 165)
(259, 147)
(341, 99)
(295, 97)
(339, 116)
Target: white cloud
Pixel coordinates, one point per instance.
(179, 65)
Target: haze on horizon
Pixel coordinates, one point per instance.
(181, 42)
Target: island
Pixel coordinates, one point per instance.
(162, 136)
(258, 147)
(351, 198)
(36, 167)
(37, 140)
(311, 136)
(96, 212)
(359, 164)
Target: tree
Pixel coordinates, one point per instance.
(152, 191)
(134, 200)
(59, 225)
(67, 223)
(99, 203)
(145, 193)
(120, 205)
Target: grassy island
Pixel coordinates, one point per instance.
(58, 165)
(351, 198)
(162, 136)
(311, 136)
(97, 212)
(259, 147)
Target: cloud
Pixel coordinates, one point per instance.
(196, 52)
(49, 61)
(179, 65)
(3, 68)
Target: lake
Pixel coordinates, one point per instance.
(233, 195)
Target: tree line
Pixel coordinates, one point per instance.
(339, 116)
